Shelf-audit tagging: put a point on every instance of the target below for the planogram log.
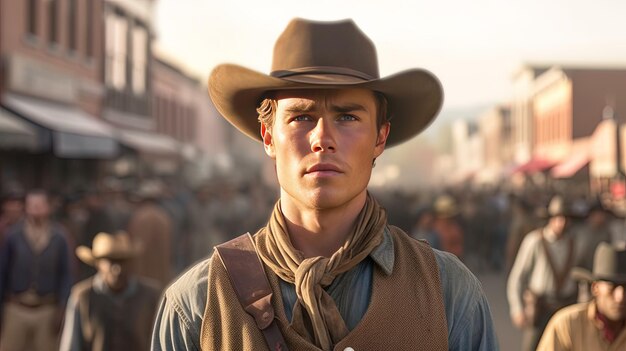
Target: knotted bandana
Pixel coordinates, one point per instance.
(315, 315)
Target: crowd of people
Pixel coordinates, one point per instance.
(114, 246)
(77, 264)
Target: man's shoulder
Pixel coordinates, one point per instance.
(454, 275)
(82, 287)
(188, 292)
(573, 312)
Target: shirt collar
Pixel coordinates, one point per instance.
(383, 254)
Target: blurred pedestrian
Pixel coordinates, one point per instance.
(523, 221)
(591, 233)
(114, 309)
(34, 279)
(11, 212)
(447, 225)
(598, 325)
(151, 227)
(539, 283)
(424, 228)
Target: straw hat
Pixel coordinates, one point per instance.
(326, 55)
(105, 245)
(445, 206)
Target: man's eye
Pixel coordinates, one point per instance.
(347, 118)
(302, 118)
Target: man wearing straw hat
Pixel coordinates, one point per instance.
(113, 310)
(601, 323)
(334, 274)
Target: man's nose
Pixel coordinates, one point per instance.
(322, 137)
(618, 293)
(116, 268)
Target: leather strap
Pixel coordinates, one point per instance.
(250, 283)
(559, 276)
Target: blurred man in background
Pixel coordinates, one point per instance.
(539, 283)
(34, 279)
(113, 310)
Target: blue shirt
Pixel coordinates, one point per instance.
(21, 268)
(470, 327)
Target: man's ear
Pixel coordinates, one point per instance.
(381, 139)
(268, 142)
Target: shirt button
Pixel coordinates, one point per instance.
(348, 349)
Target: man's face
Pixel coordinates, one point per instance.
(114, 272)
(324, 143)
(610, 299)
(558, 224)
(37, 206)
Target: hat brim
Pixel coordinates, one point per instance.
(85, 254)
(582, 274)
(415, 96)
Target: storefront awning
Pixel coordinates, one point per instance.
(150, 143)
(534, 165)
(15, 134)
(76, 134)
(571, 165)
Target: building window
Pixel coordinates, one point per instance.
(139, 51)
(32, 16)
(89, 39)
(72, 31)
(116, 34)
(52, 21)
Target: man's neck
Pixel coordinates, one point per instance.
(320, 232)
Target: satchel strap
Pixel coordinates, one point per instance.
(559, 276)
(250, 283)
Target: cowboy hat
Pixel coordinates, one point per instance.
(608, 264)
(326, 55)
(105, 245)
(445, 206)
(556, 207)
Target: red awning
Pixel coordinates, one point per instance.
(534, 165)
(571, 165)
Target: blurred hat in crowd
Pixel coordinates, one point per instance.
(556, 207)
(150, 189)
(113, 246)
(609, 264)
(445, 206)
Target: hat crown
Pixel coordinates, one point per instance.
(558, 207)
(609, 263)
(118, 245)
(310, 44)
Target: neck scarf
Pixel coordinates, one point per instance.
(315, 315)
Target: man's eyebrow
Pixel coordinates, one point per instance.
(349, 107)
(300, 107)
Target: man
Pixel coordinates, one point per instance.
(11, 212)
(34, 279)
(539, 282)
(113, 310)
(601, 323)
(340, 276)
(151, 226)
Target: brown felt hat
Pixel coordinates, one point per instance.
(326, 55)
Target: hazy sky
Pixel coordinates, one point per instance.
(472, 46)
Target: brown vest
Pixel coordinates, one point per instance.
(406, 310)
